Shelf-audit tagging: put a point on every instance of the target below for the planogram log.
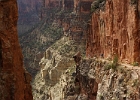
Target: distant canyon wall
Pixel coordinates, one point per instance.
(29, 11)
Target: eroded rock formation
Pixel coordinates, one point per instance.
(57, 67)
(14, 81)
(97, 81)
(114, 30)
(55, 16)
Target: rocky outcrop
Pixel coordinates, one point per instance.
(114, 30)
(14, 81)
(57, 20)
(35, 43)
(56, 69)
(113, 33)
(99, 79)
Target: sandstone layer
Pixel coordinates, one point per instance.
(114, 30)
(14, 81)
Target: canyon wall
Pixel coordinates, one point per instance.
(114, 30)
(56, 21)
(29, 11)
(96, 80)
(29, 14)
(14, 80)
(113, 33)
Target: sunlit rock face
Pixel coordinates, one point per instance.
(96, 81)
(14, 81)
(114, 30)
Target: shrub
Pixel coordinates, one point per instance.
(108, 66)
(115, 62)
(135, 64)
(112, 65)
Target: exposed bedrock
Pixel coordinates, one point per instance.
(14, 80)
(114, 30)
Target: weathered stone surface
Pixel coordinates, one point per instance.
(56, 75)
(96, 82)
(114, 30)
(14, 84)
(73, 14)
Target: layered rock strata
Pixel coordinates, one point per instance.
(14, 81)
(114, 30)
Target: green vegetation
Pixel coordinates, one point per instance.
(115, 62)
(37, 40)
(135, 64)
(107, 66)
(112, 65)
(52, 32)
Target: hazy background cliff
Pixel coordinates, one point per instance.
(29, 14)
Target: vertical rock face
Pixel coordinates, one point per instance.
(29, 11)
(114, 30)
(14, 81)
(29, 14)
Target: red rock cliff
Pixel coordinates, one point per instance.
(14, 81)
(114, 30)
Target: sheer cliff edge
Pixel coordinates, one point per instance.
(14, 80)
